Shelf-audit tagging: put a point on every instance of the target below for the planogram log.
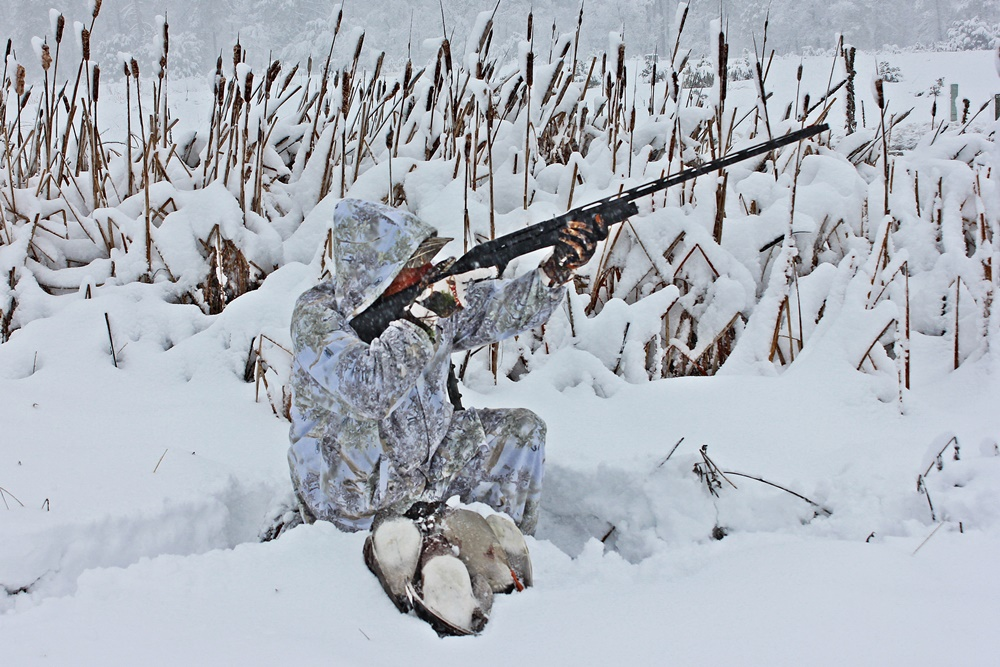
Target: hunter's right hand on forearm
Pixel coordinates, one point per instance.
(576, 245)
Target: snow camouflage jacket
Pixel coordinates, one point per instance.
(367, 418)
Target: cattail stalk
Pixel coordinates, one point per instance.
(314, 135)
(96, 161)
(21, 101)
(529, 83)
(849, 53)
(128, 132)
(164, 111)
(880, 100)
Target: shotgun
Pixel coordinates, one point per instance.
(501, 250)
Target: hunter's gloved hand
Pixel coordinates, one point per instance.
(576, 245)
(426, 310)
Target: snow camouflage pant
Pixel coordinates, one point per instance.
(504, 471)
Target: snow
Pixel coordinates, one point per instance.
(153, 560)
(137, 466)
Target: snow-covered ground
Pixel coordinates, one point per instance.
(138, 559)
(134, 485)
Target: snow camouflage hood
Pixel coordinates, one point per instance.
(371, 243)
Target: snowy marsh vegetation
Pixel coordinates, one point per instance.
(740, 271)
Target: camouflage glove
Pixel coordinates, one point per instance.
(426, 311)
(574, 248)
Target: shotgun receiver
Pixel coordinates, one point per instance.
(501, 250)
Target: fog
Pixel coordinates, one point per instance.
(294, 30)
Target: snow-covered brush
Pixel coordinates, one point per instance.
(483, 145)
(269, 364)
(715, 479)
(937, 463)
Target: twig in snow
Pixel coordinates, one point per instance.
(674, 449)
(160, 461)
(927, 539)
(922, 488)
(822, 509)
(114, 357)
(3, 495)
(713, 469)
(938, 461)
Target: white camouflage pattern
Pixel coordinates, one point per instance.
(372, 425)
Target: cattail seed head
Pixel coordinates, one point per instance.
(407, 74)
(798, 73)
(97, 8)
(446, 47)
(388, 138)
(60, 27)
(46, 57)
(272, 73)
(96, 89)
(166, 37)
(345, 93)
(19, 81)
(288, 77)
(237, 55)
(357, 47)
(531, 25)
(163, 67)
(529, 74)
(879, 93)
(135, 69)
(248, 86)
(10, 46)
(565, 48)
(85, 39)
